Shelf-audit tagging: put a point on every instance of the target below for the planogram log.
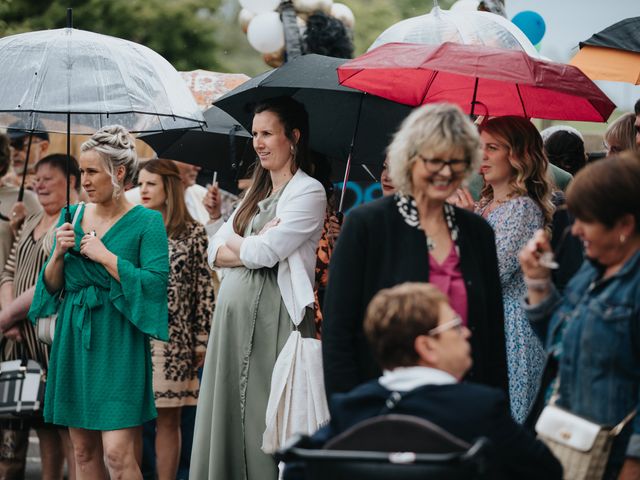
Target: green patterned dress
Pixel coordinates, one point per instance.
(100, 375)
(250, 327)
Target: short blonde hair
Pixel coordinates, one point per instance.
(396, 316)
(435, 129)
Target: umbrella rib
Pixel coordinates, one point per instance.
(524, 110)
(426, 90)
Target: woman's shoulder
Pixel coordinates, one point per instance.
(470, 220)
(382, 206)
(302, 181)
(523, 201)
(145, 218)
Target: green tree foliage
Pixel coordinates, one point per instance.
(183, 31)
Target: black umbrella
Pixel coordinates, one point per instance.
(223, 145)
(624, 35)
(345, 124)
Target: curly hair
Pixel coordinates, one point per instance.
(116, 147)
(527, 158)
(326, 35)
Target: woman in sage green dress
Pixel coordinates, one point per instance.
(107, 280)
(268, 248)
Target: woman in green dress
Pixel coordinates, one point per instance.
(107, 280)
(268, 248)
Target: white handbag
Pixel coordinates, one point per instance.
(582, 446)
(46, 326)
(297, 400)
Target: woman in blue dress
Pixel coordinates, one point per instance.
(516, 201)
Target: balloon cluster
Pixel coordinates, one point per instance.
(260, 20)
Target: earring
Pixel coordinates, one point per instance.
(623, 238)
(292, 149)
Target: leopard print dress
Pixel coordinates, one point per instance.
(191, 302)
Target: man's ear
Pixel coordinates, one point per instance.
(44, 146)
(426, 349)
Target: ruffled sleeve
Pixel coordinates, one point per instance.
(141, 293)
(46, 303)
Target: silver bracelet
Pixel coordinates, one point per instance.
(537, 284)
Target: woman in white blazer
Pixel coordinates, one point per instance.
(268, 248)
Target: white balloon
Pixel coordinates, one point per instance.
(461, 5)
(244, 17)
(266, 33)
(344, 14)
(260, 6)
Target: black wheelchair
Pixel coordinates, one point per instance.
(398, 447)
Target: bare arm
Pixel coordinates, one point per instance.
(6, 295)
(226, 258)
(16, 310)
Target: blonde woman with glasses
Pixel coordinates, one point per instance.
(415, 235)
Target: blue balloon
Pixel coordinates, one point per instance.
(532, 25)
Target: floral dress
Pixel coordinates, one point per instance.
(190, 299)
(514, 223)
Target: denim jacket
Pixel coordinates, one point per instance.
(594, 330)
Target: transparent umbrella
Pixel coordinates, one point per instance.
(459, 26)
(73, 81)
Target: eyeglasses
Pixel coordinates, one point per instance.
(434, 165)
(454, 323)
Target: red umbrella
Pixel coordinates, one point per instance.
(480, 79)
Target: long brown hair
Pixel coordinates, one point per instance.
(527, 158)
(292, 116)
(177, 217)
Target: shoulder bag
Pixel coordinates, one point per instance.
(582, 446)
(46, 326)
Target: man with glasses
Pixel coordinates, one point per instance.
(422, 346)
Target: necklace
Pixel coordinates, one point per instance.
(453, 231)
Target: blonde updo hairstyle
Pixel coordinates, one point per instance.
(435, 130)
(116, 147)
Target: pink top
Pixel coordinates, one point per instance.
(447, 276)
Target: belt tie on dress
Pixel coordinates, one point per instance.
(86, 299)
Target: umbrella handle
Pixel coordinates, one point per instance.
(26, 169)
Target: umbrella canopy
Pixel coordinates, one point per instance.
(624, 35)
(459, 26)
(481, 80)
(210, 148)
(207, 86)
(337, 115)
(73, 81)
(97, 79)
(612, 54)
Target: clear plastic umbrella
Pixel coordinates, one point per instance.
(459, 26)
(97, 79)
(73, 81)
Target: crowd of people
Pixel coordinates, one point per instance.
(499, 272)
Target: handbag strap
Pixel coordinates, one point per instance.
(76, 214)
(615, 431)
